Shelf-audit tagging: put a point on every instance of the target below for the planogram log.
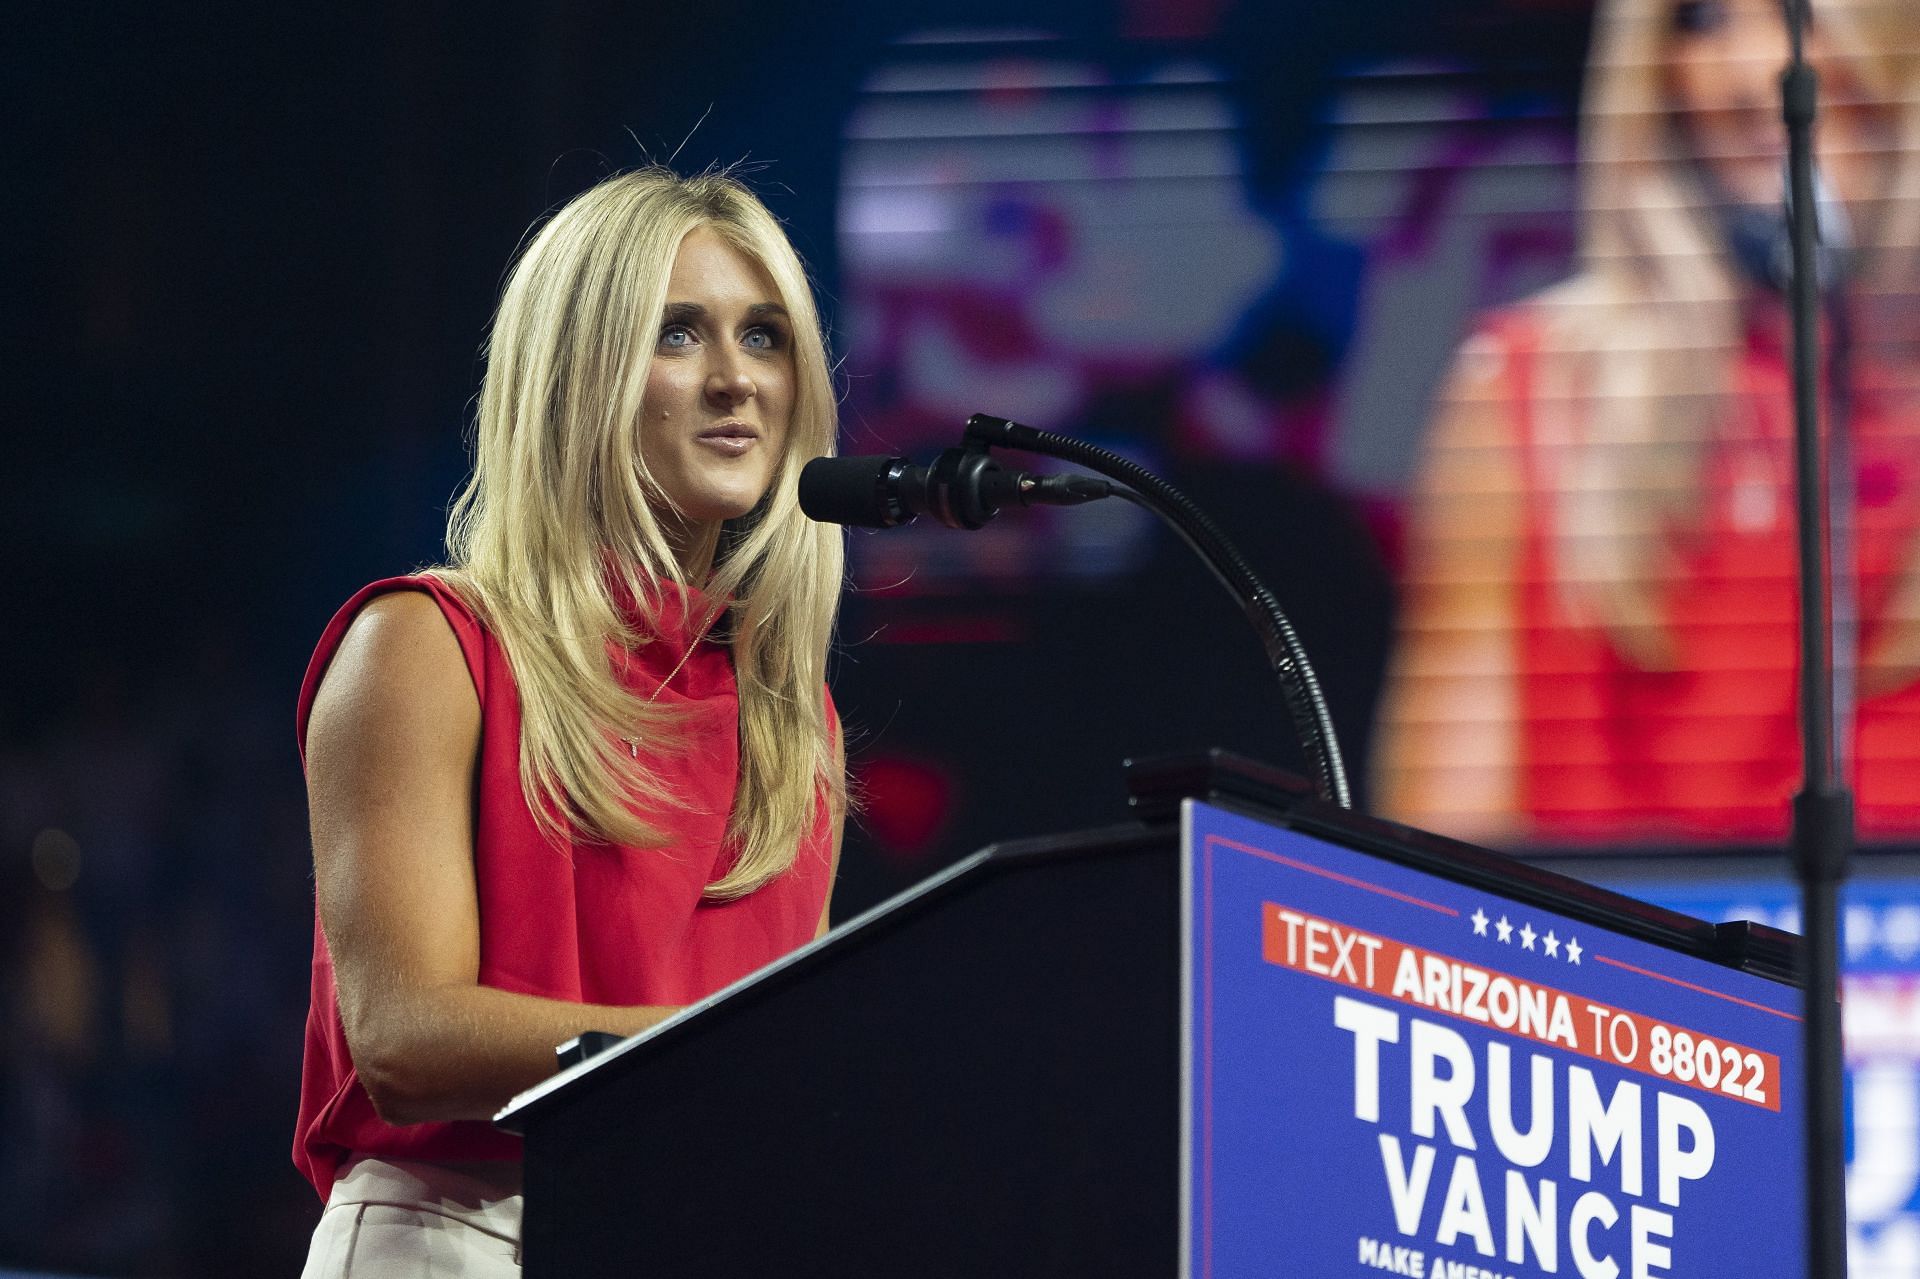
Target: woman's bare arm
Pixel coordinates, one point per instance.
(1448, 736)
(1891, 661)
(392, 749)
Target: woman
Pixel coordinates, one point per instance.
(1598, 637)
(585, 773)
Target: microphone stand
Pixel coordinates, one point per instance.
(1842, 511)
(1823, 809)
(1300, 687)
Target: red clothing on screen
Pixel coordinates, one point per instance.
(1710, 749)
(585, 923)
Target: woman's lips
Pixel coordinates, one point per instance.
(732, 438)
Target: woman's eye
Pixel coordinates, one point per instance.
(676, 335)
(1699, 17)
(759, 340)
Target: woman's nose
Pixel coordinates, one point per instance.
(1753, 57)
(728, 383)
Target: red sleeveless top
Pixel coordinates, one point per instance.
(599, 924)
(1711, 749)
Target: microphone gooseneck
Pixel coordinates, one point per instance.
(1299, 686)
(964, 488)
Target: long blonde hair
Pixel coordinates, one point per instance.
(1639, 347)
(558, 523)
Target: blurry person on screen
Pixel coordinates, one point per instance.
(1598, 639)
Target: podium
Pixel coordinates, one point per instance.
(1146, 1049)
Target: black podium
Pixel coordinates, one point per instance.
(981, 1077)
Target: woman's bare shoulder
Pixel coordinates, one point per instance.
(407, 617)
(399, 671)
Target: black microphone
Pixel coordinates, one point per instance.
(1760, 239)
(964, 488)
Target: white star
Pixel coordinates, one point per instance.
(1573, 950)
(1504, 929)
(1527, 935)
(1550, 944)
(1479, 918)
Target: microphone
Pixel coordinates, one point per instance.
(1760, 239)
(964, 488)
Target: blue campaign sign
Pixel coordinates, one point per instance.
(1392, 1073)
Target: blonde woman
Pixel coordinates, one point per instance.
(1598, 636)
(586, 772)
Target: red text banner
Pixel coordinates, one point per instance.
(1420, 978)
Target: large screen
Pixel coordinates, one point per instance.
(1471, 329)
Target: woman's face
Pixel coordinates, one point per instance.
(1724, 59)
(720, 389)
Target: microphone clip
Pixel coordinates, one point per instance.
(964, 487)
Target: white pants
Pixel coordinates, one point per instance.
(387, 1217)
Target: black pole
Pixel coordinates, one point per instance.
(1823, 810)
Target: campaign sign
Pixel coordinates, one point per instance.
(1392, 1073)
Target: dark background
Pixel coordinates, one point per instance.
(251, 252)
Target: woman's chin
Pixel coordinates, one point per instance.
(719, 507)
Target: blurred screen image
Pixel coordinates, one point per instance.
(1530, 333)
(1599, 638)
